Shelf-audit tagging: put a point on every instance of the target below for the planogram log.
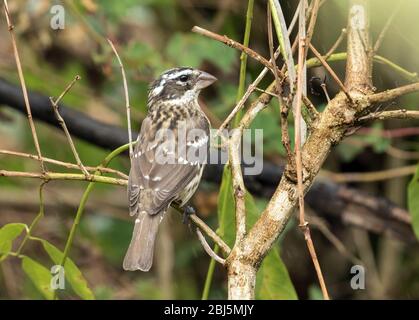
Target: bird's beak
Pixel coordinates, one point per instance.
(205, 79)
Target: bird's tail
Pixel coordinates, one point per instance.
(140, 251)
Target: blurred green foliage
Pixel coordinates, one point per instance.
(152, 36)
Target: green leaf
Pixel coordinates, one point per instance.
(413, 201)
(8, 233)
(72, 272)
(226, 209)
(39, 275)
(226, 218)
(273, 281)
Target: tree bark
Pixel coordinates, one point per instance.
(329, 130)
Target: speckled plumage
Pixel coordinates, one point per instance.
(154, 184)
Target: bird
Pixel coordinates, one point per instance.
(168, 158)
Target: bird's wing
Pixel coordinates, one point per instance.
(154, 183)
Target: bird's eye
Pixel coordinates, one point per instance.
(184, 78)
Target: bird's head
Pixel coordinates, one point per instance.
(183, 84)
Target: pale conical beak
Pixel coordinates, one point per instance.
(205, 79)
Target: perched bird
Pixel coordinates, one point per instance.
(168, 159)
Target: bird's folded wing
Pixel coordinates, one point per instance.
(164, 163)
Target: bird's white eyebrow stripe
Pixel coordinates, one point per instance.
(177, 74)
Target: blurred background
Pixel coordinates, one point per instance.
(152, 36)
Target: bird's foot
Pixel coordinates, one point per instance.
(187, 211)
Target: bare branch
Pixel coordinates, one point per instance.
(127, 104)
(322, 226)
(234, 44)
(359, 62)
(210, 233)
(254, 84)
(393, 114)
(298, 157)
(324, 88)
(330, 70)
(336, 44)
(61, 121)
(23, 85)
(315, 6)
(283, 37)
(387, 26)
(62, 163)
(48, 176)
(238, 182)
(62, 176)
(371, 176)
(291, 73)
(208, 249)
(393, 93)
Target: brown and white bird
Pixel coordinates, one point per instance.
(168, 159)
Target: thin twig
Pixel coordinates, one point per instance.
(393, 93)
(341, 56)
(251, 87)
(234, 44)
(402, 154)
(287, 54)
(322, 226)
(62, 163)
(67, 89)
(371, 176)
(273, 94)
(324, 88)
(392, 114)
(330, 70)
(61, 121)
(313, 19)
(35, 221)
(311, 108)
(298, 158)
(285, 139)
(208, 249)
(283, 37)
(108, 180)
(336, 44)
(243, 56)
(234, 142)
(62, 176)
(268, 64)
(23, 85)
(207, 230)
(127, 103)
(386, 27)
(299, 94)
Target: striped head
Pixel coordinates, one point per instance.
(179, 84)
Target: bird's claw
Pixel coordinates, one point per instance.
(187, 211)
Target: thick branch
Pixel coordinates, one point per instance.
(359, 62)
(393, 93)
(393, 114)
(358, 79)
